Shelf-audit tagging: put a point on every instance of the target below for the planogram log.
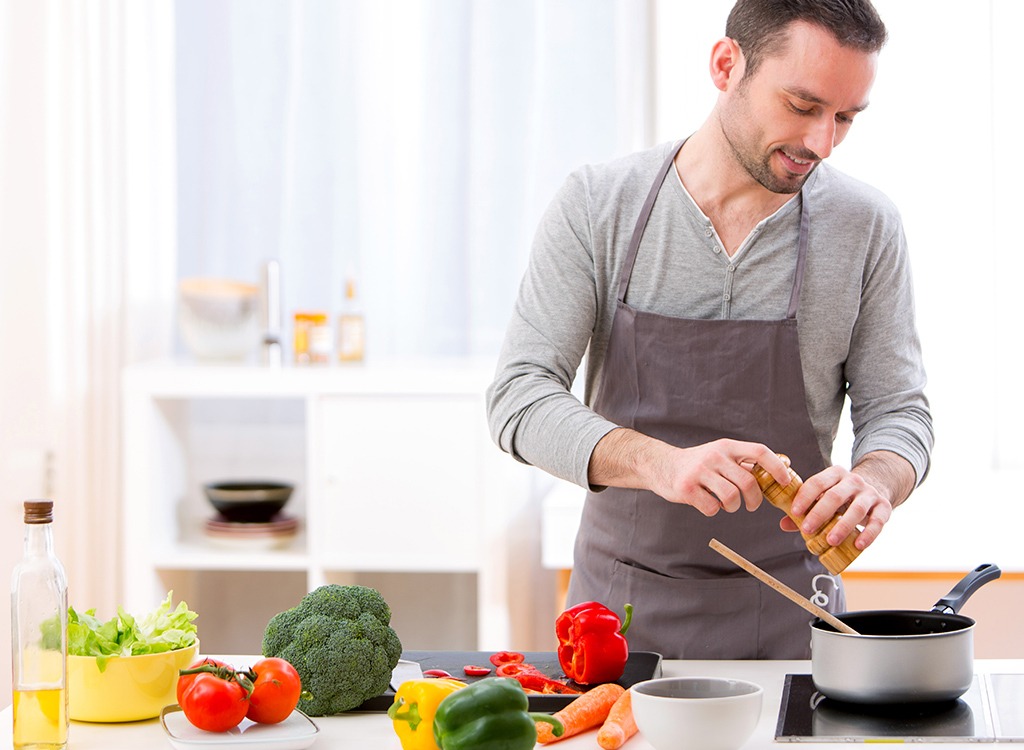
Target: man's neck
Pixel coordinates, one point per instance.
(722, 189)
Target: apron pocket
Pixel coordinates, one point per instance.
(689, 618)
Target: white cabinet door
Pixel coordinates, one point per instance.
(400, 482)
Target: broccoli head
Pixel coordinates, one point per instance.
(340, 641)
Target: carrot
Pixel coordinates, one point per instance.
(619, 726)
(585, 712)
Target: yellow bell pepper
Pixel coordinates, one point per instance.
(413, 711)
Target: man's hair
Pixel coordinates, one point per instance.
(760, 27)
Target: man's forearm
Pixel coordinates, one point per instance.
(889, 473)
(622, 458)
(709, 477)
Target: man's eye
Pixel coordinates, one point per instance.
(843, 119)
(798, 110)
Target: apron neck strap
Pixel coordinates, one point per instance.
(801, 258)
(641, 222)
(645, 214)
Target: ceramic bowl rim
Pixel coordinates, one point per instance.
(750, 689)
(258, 490)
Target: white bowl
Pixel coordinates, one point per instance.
(218, 318)
(696, 713)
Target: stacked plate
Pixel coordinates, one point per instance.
(249, 514)
(239, 535)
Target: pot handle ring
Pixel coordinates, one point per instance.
(954, 600)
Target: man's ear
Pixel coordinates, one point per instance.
(727, 64)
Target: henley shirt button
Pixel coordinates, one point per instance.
(708, 232)
(727, 296)
(717, 249)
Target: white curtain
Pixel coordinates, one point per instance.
(88, 269)
(413, 144)
(109, 210)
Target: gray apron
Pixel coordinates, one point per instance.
(688, 382)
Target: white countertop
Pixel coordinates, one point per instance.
(374, 731)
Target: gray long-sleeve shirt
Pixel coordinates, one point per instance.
(855, 320)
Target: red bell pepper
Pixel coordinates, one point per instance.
(592, 645)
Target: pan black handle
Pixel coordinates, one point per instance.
(954, 600)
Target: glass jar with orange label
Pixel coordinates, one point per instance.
(311, 335)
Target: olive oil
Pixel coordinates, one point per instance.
(40, 719)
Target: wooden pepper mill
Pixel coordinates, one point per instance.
(835, 559)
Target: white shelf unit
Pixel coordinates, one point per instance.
(396, 480)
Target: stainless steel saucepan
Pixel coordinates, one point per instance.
(901, 656)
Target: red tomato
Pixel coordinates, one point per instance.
(187, 679)
(276, 691)
(212, 702)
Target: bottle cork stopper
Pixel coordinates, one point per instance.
(835, 559)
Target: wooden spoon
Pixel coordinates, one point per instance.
(782, 588)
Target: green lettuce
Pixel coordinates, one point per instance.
(163, 629)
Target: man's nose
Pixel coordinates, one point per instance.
(821, 138)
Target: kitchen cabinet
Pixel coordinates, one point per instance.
(398, 485)
(425, 486)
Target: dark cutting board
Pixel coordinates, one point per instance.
(641, 665)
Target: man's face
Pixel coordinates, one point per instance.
(796, 107)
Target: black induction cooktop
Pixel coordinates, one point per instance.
(992, 710)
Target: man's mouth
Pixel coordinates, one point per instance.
(795, 164)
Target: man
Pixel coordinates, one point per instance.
(729, 293)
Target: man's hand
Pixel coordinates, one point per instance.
(864, 496)
(710, 477)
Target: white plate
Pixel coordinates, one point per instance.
(294, 733)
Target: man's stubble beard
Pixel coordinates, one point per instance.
(758, 167)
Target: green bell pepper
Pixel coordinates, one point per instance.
(492, 714)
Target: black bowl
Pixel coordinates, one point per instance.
(248, 501)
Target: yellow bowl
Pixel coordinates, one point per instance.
(131, 688)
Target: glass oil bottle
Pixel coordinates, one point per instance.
(351, 327)
(39, 626)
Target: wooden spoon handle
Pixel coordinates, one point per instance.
(782, 588)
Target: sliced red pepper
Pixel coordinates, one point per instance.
(533, 680)
(507, 657)
(436, 673)
(543, 684)
(472, 670)
(514, 669)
